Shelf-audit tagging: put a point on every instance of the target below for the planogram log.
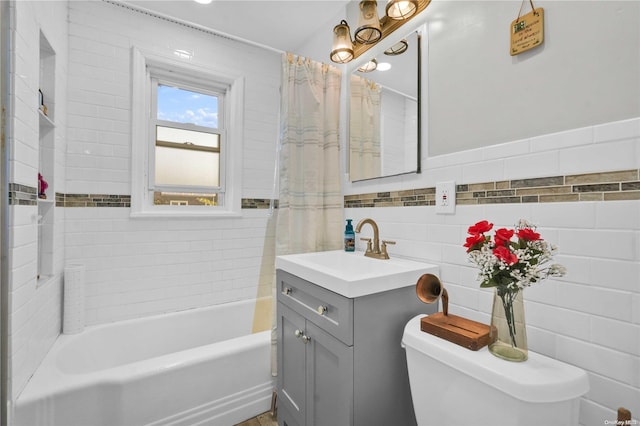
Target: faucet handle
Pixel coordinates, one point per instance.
(384, 248)
(369, 246)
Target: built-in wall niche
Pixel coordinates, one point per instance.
(46, 95)
(46, 159)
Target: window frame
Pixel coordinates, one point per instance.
(149, 67)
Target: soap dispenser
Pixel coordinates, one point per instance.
(349, 237)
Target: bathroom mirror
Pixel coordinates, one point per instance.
(384, 115)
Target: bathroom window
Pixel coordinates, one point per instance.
(186, 139)
(188, 136)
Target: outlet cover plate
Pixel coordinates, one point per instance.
(446, 197)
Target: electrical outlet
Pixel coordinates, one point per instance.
(446, 197)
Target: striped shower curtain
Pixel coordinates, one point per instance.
(364, 129)
(310, 199)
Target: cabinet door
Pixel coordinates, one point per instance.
(329, 379)
(291, 366)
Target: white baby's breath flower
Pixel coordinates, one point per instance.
(557, 270)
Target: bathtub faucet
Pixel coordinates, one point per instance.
(374, 250)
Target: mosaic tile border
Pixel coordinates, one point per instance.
(605, 186)
(258, 203)
(92, 200)
(22, 195)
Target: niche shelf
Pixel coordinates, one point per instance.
(45, 121)
(46, 160)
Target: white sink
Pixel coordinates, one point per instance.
(351, 274)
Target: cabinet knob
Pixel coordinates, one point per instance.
(300, 333)
(321, 309)
(286, 290)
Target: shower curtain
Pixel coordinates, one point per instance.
(310, 198)
(364, 125)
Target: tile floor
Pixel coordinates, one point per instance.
(264, 419)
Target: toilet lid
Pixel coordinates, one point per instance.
(539, 379)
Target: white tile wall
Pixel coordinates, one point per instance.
(136, 268)
(589, 317)
(35, 309)
(143, 266)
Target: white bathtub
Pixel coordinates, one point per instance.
(194, 367)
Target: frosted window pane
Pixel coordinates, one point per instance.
(176, 166)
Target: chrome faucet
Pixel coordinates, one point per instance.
(373, 250)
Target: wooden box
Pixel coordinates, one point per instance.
(461, 331)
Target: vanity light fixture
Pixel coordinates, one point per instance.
(342, 46)
(372, 30)
(368, 31)
(401, 9)
(369, 66)
(398, 48)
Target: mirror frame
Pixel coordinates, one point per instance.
(419, 95)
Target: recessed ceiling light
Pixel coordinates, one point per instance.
(203, 1)
(184, 54)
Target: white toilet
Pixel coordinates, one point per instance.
(453, 386)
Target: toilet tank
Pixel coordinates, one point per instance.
(452, 385)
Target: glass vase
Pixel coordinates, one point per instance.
(508, 334)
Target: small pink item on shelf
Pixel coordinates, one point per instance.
(42, 187)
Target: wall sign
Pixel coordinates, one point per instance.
(527, 31)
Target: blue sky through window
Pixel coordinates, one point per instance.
(184, 106)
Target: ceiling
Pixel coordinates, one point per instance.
(279, 24)
(283, 25)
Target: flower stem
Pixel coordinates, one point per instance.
(507, 298)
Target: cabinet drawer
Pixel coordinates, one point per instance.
(328, 310)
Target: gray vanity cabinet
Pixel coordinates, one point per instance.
(313, 388)
(340, 362)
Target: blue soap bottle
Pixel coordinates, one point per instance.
(349, 237)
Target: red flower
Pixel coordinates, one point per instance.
(480, 227)
(528, 234)
(504, 254)
(473, 240)
(503, 235)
